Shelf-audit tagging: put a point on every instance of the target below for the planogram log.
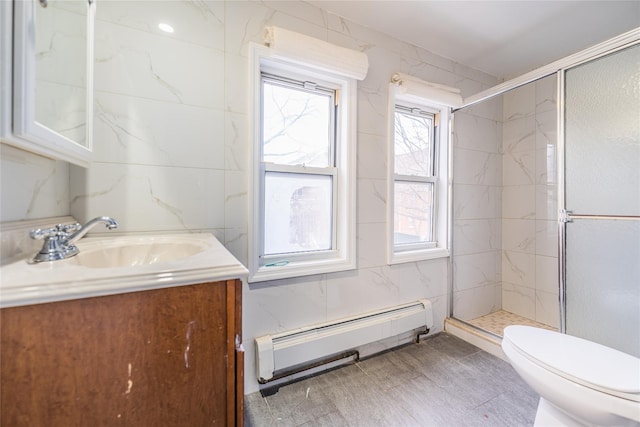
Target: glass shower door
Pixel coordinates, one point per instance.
(602, 199)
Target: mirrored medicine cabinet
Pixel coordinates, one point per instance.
(46, 77)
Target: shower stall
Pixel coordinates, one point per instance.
(505, 209)
(546, 200)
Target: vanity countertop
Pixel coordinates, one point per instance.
(118, 264)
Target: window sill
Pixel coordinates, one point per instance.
(300, 269)
(420, 255)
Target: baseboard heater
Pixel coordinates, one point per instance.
(283, 351)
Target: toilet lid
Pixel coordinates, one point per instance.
(585, 361)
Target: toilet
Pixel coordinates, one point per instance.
(580, 383)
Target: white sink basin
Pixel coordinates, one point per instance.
(136, 252)
(111, 264)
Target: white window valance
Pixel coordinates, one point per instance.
(413, 87)
(311, 51)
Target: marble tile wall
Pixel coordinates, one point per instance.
(159, 121)
(504, 230)
(172, 145)
(477, 210)
(529, 202)
(31, 186)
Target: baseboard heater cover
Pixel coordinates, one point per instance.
(299, 346)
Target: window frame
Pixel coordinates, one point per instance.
(342, 255)
(439, 246)
(431, 178)
(301, 170)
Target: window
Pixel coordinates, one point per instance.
(298, 140)
(303, 199)
(414, 178)
(417, 180)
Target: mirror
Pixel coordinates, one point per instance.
(52, 78)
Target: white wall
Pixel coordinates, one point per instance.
(172, 145)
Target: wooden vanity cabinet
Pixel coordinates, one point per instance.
(162, 357)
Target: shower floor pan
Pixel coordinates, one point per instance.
(497, 321)
(486, 332)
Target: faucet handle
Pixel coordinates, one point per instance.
(42, 233)
(58, 230)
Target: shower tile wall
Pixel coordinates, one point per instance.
(504, 208)
(529, 227)
(477, 210)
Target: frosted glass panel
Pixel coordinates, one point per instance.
(603, 282)
(412, 212)
(297, 213)
(602, 128)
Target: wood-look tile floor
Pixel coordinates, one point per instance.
(442, 381)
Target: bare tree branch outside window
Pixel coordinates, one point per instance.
(296, 126)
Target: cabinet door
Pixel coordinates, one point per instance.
(159, 357)
(47, 84)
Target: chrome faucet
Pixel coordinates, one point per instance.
(59, 243)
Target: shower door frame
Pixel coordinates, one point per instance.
(558, 68)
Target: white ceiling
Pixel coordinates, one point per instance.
(502, 38)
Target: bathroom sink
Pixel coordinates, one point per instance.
(113, 264)
(136, 252)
